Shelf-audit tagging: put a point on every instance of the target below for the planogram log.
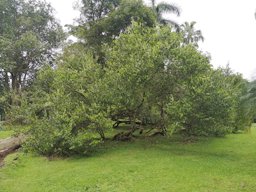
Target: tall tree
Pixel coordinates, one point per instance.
(151, 74)
(190, 34)
(95, 30)
(29, 33)
(162, 8)
(92, 10)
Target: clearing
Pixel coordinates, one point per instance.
(155, 164)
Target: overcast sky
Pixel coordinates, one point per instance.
(229, 28)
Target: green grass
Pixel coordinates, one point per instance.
(5, 134)
(209, 165)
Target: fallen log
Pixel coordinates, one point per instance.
(5, 152)
(9, 145)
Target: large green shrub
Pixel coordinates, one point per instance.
(64, 111)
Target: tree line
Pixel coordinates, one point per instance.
(131, 73)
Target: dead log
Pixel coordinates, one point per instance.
(9, 145)
(5, 152)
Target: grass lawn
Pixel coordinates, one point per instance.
(209, 165)
(5, 134)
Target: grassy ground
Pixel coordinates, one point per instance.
(5, 134)
(209, 165)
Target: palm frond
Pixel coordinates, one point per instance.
(190, 34)
(198, 33)
(175, 25)
(167, 8)
(192, 24)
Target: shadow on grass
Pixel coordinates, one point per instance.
(173, 146)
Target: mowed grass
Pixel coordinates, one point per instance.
(5, 134)
(155, 164)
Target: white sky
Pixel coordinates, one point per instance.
(228, 26)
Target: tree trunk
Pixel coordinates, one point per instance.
(162, 120)
(14, 82)
(6, 81)
(101, 133)
(9, 145)
(15, 86)
(23, 83)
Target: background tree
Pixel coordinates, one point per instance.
(93, 10)
(97, 31)
(190, 34)
(29, 33)
(248, 104)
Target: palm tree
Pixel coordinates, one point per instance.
(162, 8)
(190, 34)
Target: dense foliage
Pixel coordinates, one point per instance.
(126, 76)
(96, 29)
(29, 34)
